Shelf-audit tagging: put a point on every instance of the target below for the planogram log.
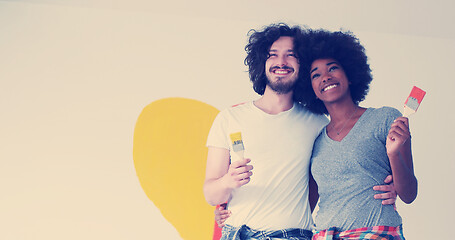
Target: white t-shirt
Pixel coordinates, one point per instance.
(279, 147)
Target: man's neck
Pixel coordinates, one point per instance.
(274, 103)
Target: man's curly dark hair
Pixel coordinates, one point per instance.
(258, 48)
(343, 47)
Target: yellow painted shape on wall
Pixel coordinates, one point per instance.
(170, 155)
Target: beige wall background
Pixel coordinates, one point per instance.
(75, 75)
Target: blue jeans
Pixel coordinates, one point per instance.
(245, 233)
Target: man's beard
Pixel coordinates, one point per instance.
(281, 87)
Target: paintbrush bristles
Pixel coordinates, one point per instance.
(413, 101)
(237, 144)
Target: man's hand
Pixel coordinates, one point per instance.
(389, 195)
(239, 173)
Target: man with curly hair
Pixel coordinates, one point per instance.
(278, 136)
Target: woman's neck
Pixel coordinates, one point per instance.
(341, 112)
(343, 117)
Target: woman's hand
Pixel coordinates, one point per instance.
(221, 214)
(398, 135)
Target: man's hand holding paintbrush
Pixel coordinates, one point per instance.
(238, 174)
(239, 171)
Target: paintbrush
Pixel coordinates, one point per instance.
(413, 101)
(237, 144)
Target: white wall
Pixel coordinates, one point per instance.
(75, 75)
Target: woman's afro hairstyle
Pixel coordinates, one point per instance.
(343, 47)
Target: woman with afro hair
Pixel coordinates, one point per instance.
(358, 148)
